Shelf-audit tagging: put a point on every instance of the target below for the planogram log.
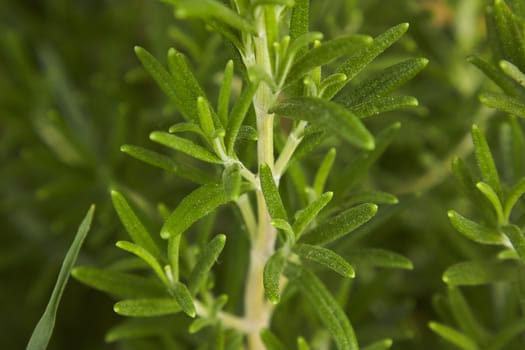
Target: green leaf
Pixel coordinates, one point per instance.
(329, 115)
(302, 344)
(223, 103)
(325, 257)
(506, 334)
(382, 83)
(272, 273)
(206, 259)
(326, 307)
(486, 164)
(186, 127)
(472, 273)
(300, 18)
(513, 196)
(193, 207)
(515, 236)
(383, 344)
(288, 3)
(510, 33)
(500, 79)
(504, 103)
(286, 228)
(492, 196)
(323, 171)
(378, 258)
(453, 336)
(150, 307)
(238, 114)
(331, 84)
(271, 194)
(146, 256)
(342, 224)
(385, 104)
(169, 84)
(326, 53)
(151, 157)
(136, 230)
(512, 72)
(138, 328)
(305, 216)
(199, 324)
(271, 342)
(205, 116)
(206, 9)
(231, 179)
(464, 316)
(359, 60)
(119, 284)
(377, 197)
(474, 231)
(184, 298)
(183, 145)
(44, 328)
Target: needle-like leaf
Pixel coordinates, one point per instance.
(325, 257)
(151, 307)
(207, 258)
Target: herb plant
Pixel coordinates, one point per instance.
(288, 169)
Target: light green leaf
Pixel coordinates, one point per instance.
(329, 115)
(512, 72)
(138, 233)
(272, 273)
(193, 207)
(44, 328)
(378, 258)
(305, 216)
(325, 257)
(326, 53)
(474, 231)
(453, 336)
(271, 342)
(359, 60)
(464, 316)
(205, 116)
(515, 236)
(380, 345)
(385, 104)
(504, 103)
(271, 193)
(509, 32)
(206, 9)
(146, 256)
(500, 79)
(285, 227)
(332, 84)
(183, 145)
(184, 298)
(288, 3)
(514, 195)
(492, 196)
(186, 127)
(151, 157)
(302, 344)
(342, 224)
(485, 161)
(238, 114)
(323, 171)
(138, 328)
(472, 273)
(377, 197)
(298, 45)
(150, 307)
(382, 83)
(119, 284)
(231, 179)
(223, 104)
(206, 259)
(326, 307)
(199, 324)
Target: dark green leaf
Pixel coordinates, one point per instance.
(474, 231)
(300, 18)
(464, 316)
(513, 196)
(326, 53)
(305, 216)
(238, 114)
(184, 298)
(184, 145)
(151, 307)
(138, 233)
(146, 256)
(326, 307)
(385, 104)
(504, 103)
(492, 197)
(378, 258)
(272, 274)
(44, 328)
(453, 336)
(472, 273)
(207, 258)
(506, 335)
(377, 197)
(485, 161)
(325, 257)
(193, 207)
(340, 225)
(231, 179)
(329, 115)
(510, 33)
(500, 79)
(515, 236)
(138, 328)
(324, 171)
(223, 104)
(271, 342)
(382, 83)
(379, 345)
(271, 194)
(119, 284)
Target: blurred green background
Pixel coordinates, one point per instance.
(72, 91)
